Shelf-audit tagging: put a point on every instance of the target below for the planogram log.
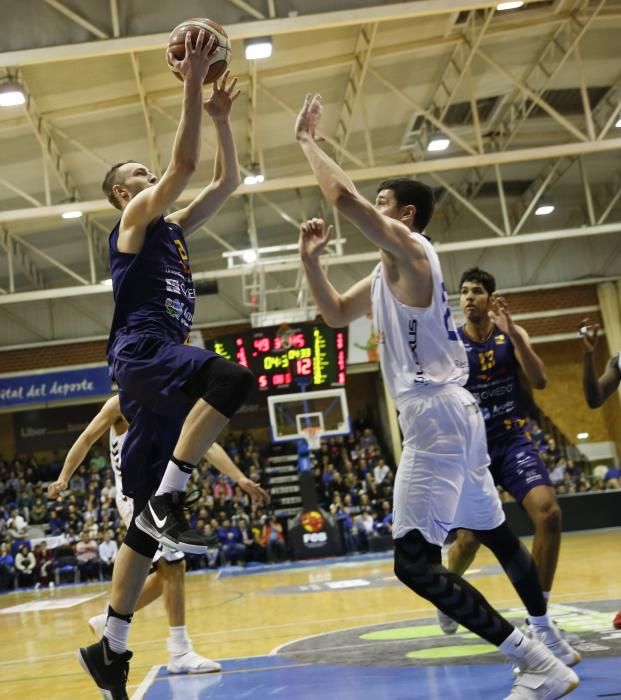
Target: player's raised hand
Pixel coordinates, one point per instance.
(588, 332)
(314, 237)
(55, 489)
(501, 316)
(308, 118)
(195, 64)
(256, 493)
(223, 94)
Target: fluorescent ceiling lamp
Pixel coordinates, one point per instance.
(544, 209)
(438, 144)
(582, 436)
(249, 256)
(107, 283)
(72, 214)
(618, 124)
(510, 5)
(254, 176)
(258, 48)
(11, 94)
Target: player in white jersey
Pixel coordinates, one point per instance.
(168, 577)
(442, 482)
(598, 389)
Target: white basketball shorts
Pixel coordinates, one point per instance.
(443, 481)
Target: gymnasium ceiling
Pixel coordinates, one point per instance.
(529, 99)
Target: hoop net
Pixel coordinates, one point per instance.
(312, 435)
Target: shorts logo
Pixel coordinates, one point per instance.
(174, 308)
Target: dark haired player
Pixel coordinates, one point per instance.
(497, 350)
(443, 481)
(168, 380)
(598, 389)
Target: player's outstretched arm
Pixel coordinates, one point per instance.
(388, 234)
(107, 416)
(337, 309)
(217, 456)
(597, 389)
(226, 176)
(531, 364)
(154, 201)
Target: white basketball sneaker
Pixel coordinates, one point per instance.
(191, 662)
(98, 625)
(447, 624)
(541, 675)
(551, 636)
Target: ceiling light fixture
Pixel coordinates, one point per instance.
(11, 94)
(260, 47)
(544, 209)
(583, 436)
(510, 5)
(249, 256)
(254, 176)
(618, 124)
(72, 214)
(438, 143)
(107, 283)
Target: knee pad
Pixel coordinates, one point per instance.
(140, 542)
(224, 385)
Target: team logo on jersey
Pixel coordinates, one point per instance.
(500, 339)
(174, 308)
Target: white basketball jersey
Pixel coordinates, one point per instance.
(124, 504)
(419, 347)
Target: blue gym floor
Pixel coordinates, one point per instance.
(276, 677)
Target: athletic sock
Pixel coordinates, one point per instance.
(117, 630)
(178, 641)
(175, 477)
(515, 645)
(540, 620)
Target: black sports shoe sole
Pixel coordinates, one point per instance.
(146, 527)
(106, 694)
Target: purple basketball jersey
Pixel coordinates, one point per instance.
(494, 381)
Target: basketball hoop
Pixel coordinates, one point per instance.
(312, 435)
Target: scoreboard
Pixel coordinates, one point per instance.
(310, 355)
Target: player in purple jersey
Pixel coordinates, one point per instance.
(497, 350)
(170, 382)
(598, 389)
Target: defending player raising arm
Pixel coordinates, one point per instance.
(109, 414)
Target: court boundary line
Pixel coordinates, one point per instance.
(147, 682)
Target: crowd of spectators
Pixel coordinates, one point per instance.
(78, 535)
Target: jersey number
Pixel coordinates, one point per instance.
(182, 254)
(449, 324)
(486, 360)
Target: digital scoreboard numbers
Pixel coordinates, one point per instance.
(311, 355)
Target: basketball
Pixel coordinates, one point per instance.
(222, 56)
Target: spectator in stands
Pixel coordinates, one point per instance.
(380, 471)
(7, 567)
(273, 540)
(44, 569)
(25, 566)
(230, 538)
(107, 551)
(38, 512)
(86, 552)
(108, 492)
(223, 489)
(364, 526)
(557, 473)
(16, 524)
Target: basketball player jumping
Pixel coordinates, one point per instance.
(497, 349)
(168, 380)
(597, 390)
(442, 481)
(168, 577)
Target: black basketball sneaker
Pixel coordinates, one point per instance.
(107, 669)
(164, 519)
